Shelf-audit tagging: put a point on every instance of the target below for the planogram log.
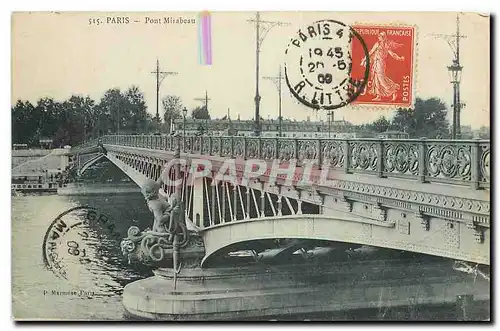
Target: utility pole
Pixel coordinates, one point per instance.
(330, 115)
(455, 75)
(261, 30)
(277, 81)
(160, 76)
(205, 99)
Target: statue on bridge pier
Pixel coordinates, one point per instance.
(156, 246)
(163, 222)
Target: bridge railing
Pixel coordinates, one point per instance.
(91, 143)
(462, 162)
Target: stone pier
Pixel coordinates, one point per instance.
(261, 291)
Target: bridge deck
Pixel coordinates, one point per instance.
(439, 218)
(458, 191)
(449, 189)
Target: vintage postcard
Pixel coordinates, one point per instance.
(251, 166)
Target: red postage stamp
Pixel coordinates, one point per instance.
(390, 79)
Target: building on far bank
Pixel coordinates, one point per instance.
(45, 142)
(19, 146)
(393, 135)
(466, 132)
(270, 128)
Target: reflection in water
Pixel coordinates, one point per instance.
(93, 290)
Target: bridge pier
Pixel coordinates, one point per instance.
(261, 291)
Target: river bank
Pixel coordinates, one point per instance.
(98, 188)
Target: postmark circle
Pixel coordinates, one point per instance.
(318, 65)
(69, 242)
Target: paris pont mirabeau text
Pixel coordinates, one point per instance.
(169, 20)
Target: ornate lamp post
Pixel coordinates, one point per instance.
(184, 113)
(455, 71)
(261, 30)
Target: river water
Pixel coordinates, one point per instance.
(93, 291)
(103, 280)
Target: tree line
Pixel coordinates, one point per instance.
(72, 121)
(428, 118)
(80, 118)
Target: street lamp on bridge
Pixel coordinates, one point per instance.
(184, 114)
(261, 30)
(455, 71)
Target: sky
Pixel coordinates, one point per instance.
(60, 54)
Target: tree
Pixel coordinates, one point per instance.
(112, 108)
(48, 115)
(426, 119)
(200, 113)
(23, 127)
(381, 124)
(404, 120)
(483, 132)
(123, 112)
(137, 110)
(172, 107)
(72, 121)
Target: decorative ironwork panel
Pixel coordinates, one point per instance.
(268, 149)
(484, 162)
(170, 146)
(401, 158)
(216, 141)
(308, 149)
(205, 145)
(286, 150)
(449, 160)
(197, 145)
(252, 148)
(167, 139)
(187, 143)
(333, 152)
(364, 156)
(238, 143)
(226, 146)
